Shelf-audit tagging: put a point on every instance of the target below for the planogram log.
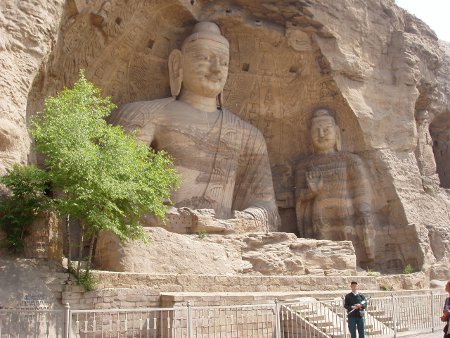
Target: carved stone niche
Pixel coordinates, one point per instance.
(440, 134)
(44, 239)
(333, 196)
(278, 73)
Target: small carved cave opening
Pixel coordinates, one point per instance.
(118, 20)
(150, 43)
(440, 134)
(293, 70)
(246, 67)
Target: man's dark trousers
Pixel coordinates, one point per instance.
(354, 322)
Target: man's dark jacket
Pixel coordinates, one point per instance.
(350, 300)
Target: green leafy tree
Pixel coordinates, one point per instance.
(28, 186)
(104, 177)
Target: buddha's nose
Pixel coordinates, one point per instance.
(321, 132)
(214, 66)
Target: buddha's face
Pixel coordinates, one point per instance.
(323, 134)
(205, 67)
(422, 118)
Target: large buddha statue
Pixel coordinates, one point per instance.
(222, 159)
(332, 191)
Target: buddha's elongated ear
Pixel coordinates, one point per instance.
(338, 138)
(220, 100)
(175, 72)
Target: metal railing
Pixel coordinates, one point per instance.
(384, 317)
(151, 323)
(199, 322)
(308, 318)
(31, 323)
(302, 318)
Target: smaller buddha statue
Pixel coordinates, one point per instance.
(424, 149)
(332, 191)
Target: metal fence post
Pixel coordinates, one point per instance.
(344, 317)
(394, 319)
(189, 320)
(67, 318)
(432, 311)
(277, 319)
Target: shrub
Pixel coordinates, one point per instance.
(408, 269)
(386, 287)
(28, 186)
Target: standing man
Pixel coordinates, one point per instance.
(355, 303)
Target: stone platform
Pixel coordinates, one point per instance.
(141, 290)
(239, 283)
(172, 299)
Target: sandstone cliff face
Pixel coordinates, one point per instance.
(28, 32)
(371, 62)
(402, 64)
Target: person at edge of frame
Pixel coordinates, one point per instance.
(446, 312)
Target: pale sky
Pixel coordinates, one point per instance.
(435, 13)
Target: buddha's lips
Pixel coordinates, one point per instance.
(324, 140)
(213, 78)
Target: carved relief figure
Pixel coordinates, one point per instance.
(332, 191)
(222, 160)
(424, 149)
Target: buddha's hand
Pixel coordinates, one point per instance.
(247, 220)
(314, 181)
(244, 215)
(204, 221)
(364, 221)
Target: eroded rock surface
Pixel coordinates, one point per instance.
(28, 33)
(273, 253)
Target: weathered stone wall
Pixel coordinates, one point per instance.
(30, 282)
(28, 33)
(387, 65)
(44, 238)
(241, 254)
(440, 126)
(116, 298)
(286, 59)
(224, 283)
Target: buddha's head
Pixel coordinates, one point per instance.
(201, 66)
(325, 134)
(422, 117)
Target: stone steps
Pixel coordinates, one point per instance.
(373, 332)
(336, 335)
(323, 324)
(313, 318)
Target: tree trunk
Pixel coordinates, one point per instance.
(91, 249)
(80, 250)
(69, 243)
